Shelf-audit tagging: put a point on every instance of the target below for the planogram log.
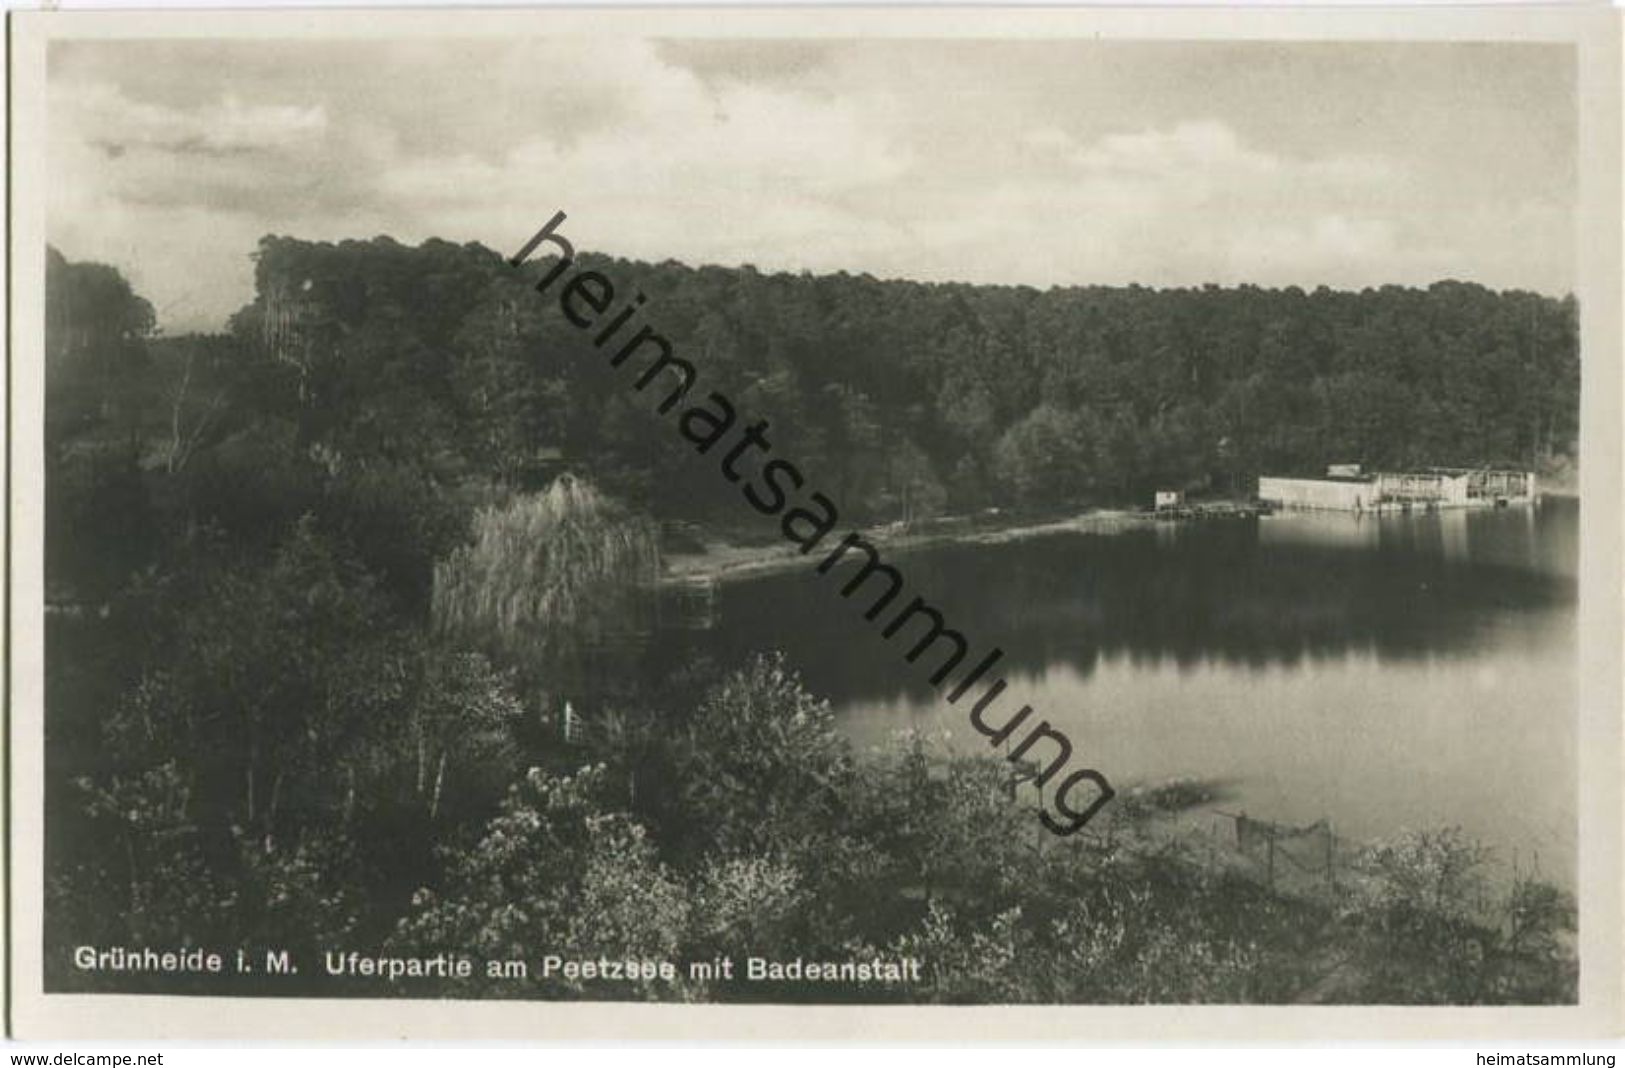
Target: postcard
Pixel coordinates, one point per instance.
(815, 524)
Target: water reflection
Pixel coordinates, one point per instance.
(1277, 590)
(1383, 671)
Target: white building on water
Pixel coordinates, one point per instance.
(1346, 488)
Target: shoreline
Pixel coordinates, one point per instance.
(722, 562)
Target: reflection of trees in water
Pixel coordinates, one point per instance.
(1216, 591)
(1235, 600)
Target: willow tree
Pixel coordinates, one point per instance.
(548, 577)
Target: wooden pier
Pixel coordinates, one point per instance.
(1212, 510)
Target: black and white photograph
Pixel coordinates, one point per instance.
(815, 512)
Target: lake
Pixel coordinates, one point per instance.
(1381, 672)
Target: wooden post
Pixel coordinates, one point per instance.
(1038, 843)
(439, 781)
(1270, 867)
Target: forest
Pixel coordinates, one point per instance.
(322, 587)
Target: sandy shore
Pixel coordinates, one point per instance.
(724, 562)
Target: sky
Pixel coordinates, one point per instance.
(1040, 162)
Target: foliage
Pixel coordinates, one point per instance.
(1426, 928)
(95, 329)
(761, 765)
(311, 577)
(1049, 455)
(544, 563)
(883, 390)
(553, 869)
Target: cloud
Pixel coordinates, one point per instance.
(1178, 205)
(179, 196)
(101, 114)
(1206, 147)
(931, 160)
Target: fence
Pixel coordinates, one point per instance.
(1303, 858)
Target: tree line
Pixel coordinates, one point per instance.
(316, 593)
(908, 398)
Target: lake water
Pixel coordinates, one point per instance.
(1384, 673)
